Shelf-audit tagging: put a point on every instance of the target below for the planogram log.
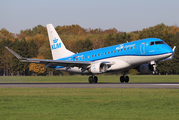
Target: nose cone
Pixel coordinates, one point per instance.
(166, 49)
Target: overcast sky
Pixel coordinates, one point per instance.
(124, 15)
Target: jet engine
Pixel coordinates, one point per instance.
(99, 68)
(146, 68)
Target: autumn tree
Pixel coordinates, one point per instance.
(32, 49)
(110, 40)
(6, 58)
(39, 29)
(39, 39)
(81, 46)
(33, 42)
(6, 63)
(37, 68)
(6, 35)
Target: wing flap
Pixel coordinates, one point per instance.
(56, 62)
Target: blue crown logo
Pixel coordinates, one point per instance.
(55, 40)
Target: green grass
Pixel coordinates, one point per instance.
(88, 104)
(79, 78)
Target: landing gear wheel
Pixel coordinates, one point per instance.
(155, 72)
(122, 79)
(95, 79)
(127, 79)
(90, 79)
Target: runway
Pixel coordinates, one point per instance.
(88, 85)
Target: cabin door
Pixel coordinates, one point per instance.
(142, 48)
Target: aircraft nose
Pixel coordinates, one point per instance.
(169, 49)
(166, 49)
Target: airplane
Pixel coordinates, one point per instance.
(142, 55)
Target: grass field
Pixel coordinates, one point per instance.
(79, 78)
(88, 103)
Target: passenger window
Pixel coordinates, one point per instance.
(130, 47)
(134, 47)
(127, 48)
(105, 53)
(78, 58)
(98, 54)
(88, 56)
(95, 55)
(124, 49)
(108, 52)
(111, 51)
(152, 43)
(117, 50)
(85, 57)
(121, 50)
(114, 51)
(91, 55)
(101, 53)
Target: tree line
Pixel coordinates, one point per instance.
(34, 43)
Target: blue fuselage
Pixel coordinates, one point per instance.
(145, 47)
(135, 48)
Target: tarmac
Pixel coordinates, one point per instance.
(89, 85)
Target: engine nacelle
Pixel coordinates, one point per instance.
(146, 68)
(98, 68)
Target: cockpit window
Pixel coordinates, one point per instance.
(152, 43)
(159, 42)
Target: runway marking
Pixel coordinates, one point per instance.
(166, 84)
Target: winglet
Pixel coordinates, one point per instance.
(171, 57)
(14, 53)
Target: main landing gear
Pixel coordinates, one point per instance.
(124, 79)
(93, 79)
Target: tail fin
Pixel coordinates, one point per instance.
(58, 49)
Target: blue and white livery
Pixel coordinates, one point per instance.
(142, 54)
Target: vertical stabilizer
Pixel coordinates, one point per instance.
(58, 49)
